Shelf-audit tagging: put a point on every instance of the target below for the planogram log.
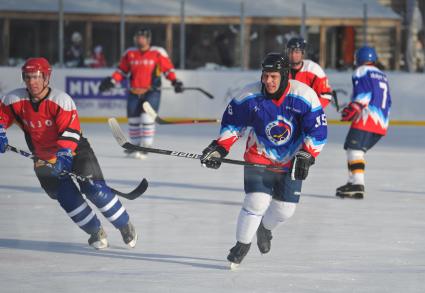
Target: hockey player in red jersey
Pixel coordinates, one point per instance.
(368, 112)
(307, 71)
(49, 120)
(144, 64)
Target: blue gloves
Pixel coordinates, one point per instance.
(3, 139)
(63, 162)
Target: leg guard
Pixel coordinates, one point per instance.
(134, 130)
(78, 210)
(107, 202)
(134, 109)
(253, 209)
(356, 166)
(277, 213)
(148, 129)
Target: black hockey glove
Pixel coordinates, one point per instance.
(302, 162)
(106, 84)
(214, 150)
(178, 86)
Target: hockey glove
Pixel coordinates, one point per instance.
(106, 84)
(351, 112)
(63, 162)
(302, 162)
(3, 139)
(214, 150)
(178, 86)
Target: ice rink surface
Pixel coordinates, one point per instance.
(187, 222)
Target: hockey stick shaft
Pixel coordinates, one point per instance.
(151, 112)
(132, 195)
(335, 97)
(123, 142)
(339, 106)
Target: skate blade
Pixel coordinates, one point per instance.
(137, 155)
(354, 195)
(133, 242)
(101, 244)
(233, 266)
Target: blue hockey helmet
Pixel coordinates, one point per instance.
(366, 54)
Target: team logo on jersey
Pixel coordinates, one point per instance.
(279, 131)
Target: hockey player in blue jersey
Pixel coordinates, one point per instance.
(288, 130)
(368, 112)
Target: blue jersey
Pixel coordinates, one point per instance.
(279, 128)
(371, 89)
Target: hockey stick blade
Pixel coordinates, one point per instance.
(138, 191)
(123, 142)
(207, 94)
(117, 131)
(210, 96)
(151, 112)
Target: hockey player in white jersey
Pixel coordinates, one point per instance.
(288, 130)
(307, 71)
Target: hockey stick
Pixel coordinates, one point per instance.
(123, 142)
(338, 106)
(199, 89)
(209, 95)
(151, 112)
(140, 189)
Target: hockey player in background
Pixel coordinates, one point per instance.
(307, 71)
(288, 130)
(144, 63)
(368, 112)
(49, 120)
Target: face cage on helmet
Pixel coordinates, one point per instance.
(46, 77)
(143, 33)
(288, 50)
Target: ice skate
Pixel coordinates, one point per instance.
(129, 235)
(350, 190)
(98, 239)
(264, 237)
(237, 254)
(135, 154)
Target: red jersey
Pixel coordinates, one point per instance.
(313, 75)
(144, 67)
(49, 125)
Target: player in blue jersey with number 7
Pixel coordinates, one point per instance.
(368, 112)
(288, 129)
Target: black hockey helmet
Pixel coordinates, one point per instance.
(276, 62)
(296, 43)
(145, 32)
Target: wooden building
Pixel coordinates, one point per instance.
(334, 28)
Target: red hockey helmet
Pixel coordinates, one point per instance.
(37, 64)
